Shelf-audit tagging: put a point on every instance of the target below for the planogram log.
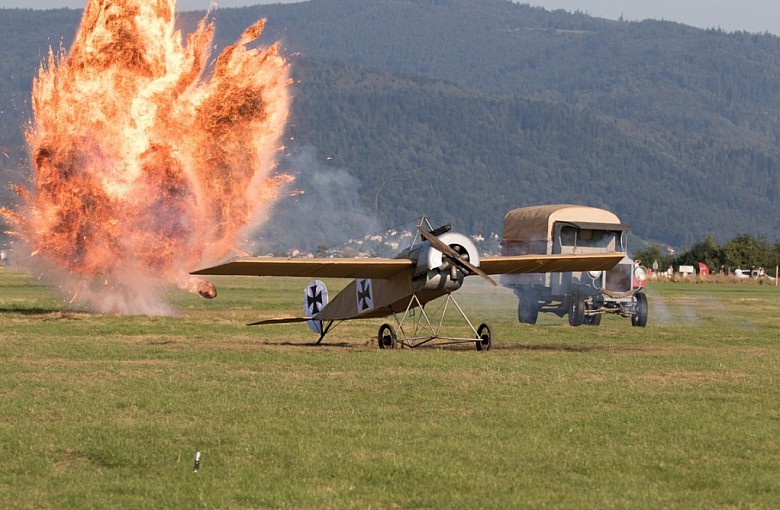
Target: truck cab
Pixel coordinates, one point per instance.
(583, 296)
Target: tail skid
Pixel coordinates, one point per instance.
(323, 325)
(315, 297)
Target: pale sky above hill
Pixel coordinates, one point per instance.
(750, 15)
(181, 5)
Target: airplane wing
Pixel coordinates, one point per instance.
(549, 263)
(313, 268)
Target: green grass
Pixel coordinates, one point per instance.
(103, 411)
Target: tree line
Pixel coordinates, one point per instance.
(744, 251)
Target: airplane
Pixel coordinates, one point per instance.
(433, 266)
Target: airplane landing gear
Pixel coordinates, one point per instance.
(387, 337)
(485, 334)
(415, 328)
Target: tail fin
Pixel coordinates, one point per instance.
(315, 297)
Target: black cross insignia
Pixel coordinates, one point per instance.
(364, 295)
(314, 300)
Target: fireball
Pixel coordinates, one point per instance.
(149, 159)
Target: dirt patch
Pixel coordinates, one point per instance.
(608, 348)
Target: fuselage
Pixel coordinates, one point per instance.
(431, 276)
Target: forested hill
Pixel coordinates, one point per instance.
(463, 109)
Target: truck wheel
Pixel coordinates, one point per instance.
(639, 318)
(527, 310)
(593, 320)
(576, 308)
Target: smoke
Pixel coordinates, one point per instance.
(130, 293)
(691, 310)
(326, 209)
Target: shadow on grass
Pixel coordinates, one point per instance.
(29, 311)
(323, 344)
(556, 347)
(462, 346)
(573, 348)
(372, 346)
(59, 314)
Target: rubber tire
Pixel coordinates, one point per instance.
(527, 310)
(592, 320)
(576, 309)
(485, 334)
(639, 318)
(386, 337)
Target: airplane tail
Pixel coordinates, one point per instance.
(315, 297)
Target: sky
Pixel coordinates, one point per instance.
(749, 15)
(181, 5)
(730, 15)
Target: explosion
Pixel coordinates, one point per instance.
(148, 160)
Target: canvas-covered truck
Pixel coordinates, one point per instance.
(583, 296)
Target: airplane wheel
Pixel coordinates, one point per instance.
(485, 334)
(576, 308)
(640, 310)
(387, 337)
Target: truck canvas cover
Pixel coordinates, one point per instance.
(536, 223)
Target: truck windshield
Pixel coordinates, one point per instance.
(586, 238)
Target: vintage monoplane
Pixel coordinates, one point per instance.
(434, 265)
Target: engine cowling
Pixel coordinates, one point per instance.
(435, 271)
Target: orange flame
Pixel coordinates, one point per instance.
(146, 165)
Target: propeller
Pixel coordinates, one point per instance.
(464, 264)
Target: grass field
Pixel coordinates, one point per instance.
(103, 411)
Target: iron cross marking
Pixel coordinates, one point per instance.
(314, 300)
(364, 297)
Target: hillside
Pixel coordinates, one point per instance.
(465, 109)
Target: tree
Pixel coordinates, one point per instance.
(652, 254)
(746, 251)
(774, 257)
(707, 251)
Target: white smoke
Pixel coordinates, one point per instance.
(690, 310)
(127, 292)
(326, 208)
